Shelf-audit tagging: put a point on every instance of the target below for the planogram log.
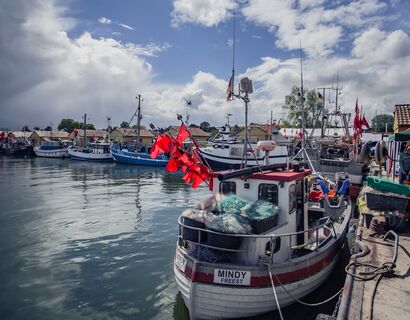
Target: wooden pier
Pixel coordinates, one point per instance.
(378, 281)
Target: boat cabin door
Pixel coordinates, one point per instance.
(301, 210)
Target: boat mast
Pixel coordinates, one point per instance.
(139, 117)
(301, 99)
(85, 130)
(270, 125)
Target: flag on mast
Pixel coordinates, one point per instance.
(229, 91)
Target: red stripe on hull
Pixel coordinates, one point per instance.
(263, 281)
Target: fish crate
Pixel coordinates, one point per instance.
(190, 234)
(225, 241)
(382, 202)
(262, 225)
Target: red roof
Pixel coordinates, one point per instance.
(279, 175)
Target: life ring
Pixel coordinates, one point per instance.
(365, 154)
(380, 152)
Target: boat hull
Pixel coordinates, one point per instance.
(53, 153)
(83, 156)
(207, 301)
(221, 162)
(138, 159)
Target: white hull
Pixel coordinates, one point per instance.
(224, 158)
(78, 155)
(57, 153)
(206, 301)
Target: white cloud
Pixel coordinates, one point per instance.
(204, 12)
(319, 28)
(125, 26)
(104, 20)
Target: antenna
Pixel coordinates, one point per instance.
(188, 103)
(233, 51)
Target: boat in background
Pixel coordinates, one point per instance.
(93, 152)
(52, 149)
(136, 154)
(137, 158)
(226, 151)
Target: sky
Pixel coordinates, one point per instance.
(61, 59)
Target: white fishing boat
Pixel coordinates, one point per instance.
(231, 275)
(52, 149)
(227, 152)
(93, 152)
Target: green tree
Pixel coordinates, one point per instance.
(379, 123)
(205, 126)
(293, 108)
(68, 125)
(124, 124)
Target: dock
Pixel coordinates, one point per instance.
(377, 284)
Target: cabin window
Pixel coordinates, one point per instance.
(292, 198)
(268, 192)
(226, 187)
(236, 152)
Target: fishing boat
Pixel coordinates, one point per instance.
(257, 244)
(227, 152)
(93, 152)
(52, 149)
(227, 274)
(134, 154)
(137, 158)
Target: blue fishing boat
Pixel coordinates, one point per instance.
(135, 154)
(137, 158)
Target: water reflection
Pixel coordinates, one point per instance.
(88, 240)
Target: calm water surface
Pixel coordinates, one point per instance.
(95, 241)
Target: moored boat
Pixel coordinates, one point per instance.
(226, 151)
(231, 275)
(52, 149)
(137, 158)
(93, 152)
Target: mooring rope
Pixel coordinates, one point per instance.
(300, 301)
(275, 295)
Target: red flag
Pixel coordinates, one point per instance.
(183, 133)
(195, 156)
(173, 165)
(75, 132)
(300, 135)
(364, 122)
(155, 149)
(229, 91)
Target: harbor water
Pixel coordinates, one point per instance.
(83, 240)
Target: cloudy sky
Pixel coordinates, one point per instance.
(61, 59)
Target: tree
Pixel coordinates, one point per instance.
(235, 129)
(124, 124)
(205, 126)
(193, 125)
(88, 126)
(293, 108)
(379, 123)
(68, 125)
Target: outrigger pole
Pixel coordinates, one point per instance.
(302, 151)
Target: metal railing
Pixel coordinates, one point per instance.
(324, 225)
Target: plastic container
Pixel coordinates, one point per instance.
(388, 185)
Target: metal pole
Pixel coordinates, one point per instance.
(322, 131)
(85, 131)
(245, 145)
(138, 123)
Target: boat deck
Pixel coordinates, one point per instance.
(392, 295)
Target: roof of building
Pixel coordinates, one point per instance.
(402, 112)
(22, 134)
(128, 132)
(194, 131)
(90, 133)
(51, 134)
